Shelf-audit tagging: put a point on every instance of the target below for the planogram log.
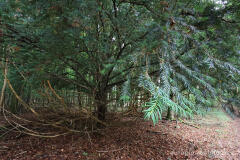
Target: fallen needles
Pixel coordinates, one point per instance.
(21, 153)
(115, 150)
(189, 124)
(156, 132)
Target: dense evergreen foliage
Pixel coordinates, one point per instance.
(184, 53)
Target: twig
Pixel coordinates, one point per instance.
(3, 148)
(20, 153)
(93, 117)
(58, 97)
(90, 140)
(18, 97)
(8, 131)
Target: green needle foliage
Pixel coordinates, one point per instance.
(172, 49)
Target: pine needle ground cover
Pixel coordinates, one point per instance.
(135, 139)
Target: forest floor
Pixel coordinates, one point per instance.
(215, 136)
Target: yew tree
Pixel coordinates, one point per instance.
(164, 47)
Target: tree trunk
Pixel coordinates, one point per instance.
(101, 110)
(170, 113)
(101, 103)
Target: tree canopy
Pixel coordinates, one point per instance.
(182, 52)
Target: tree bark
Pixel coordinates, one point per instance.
(4, 84)
(170, 113)
(101, 103)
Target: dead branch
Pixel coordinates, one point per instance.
(4, 83)
(18, 97)
(58, 97)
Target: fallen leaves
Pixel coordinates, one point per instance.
(139, 141)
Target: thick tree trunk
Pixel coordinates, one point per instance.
(101, 103)
(101, 110)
